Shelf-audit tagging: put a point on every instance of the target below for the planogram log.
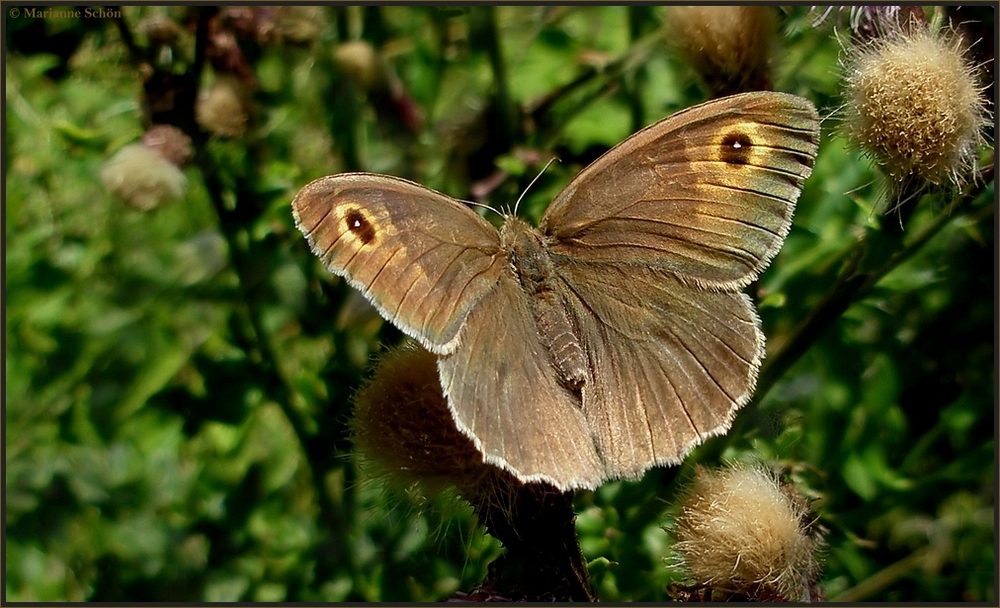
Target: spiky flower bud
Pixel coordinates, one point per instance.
(300, 24)
(867, 21)
(914, 106)
(404, 430)
(730, 47)
(743, 535)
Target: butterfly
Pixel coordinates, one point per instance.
(613, 337)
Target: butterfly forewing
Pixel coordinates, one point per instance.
(422, 258)
(706, 194)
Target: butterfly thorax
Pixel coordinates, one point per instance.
(527, 255)
(531, 264)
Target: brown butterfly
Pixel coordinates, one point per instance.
(615, 336)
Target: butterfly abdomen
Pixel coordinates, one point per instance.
(533, 267)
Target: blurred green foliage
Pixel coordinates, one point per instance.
(178, 382)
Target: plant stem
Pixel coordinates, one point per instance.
(508, 114)
(541, 108)
(885, 577)
(136, 56)
(851, 285)
(543, 561)
(633, 82)
(250, 331)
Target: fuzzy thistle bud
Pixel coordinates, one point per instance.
(362, 63)
(914, 105)
(742, 533)
(405, 431)
(160, 29)
(729, 47)
(142, 177)
(169, 142)
(224, 108)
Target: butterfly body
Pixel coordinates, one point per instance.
(615, 336)
(532, 265)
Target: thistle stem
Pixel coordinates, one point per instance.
(850, 286)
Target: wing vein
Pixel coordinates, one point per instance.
(329, 210)
(395, 251)
(332, 245)
(702, 229)
(473, 278)
(699, 362)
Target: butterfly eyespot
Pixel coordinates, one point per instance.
(359, 226)
(736, 148)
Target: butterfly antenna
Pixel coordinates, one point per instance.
(518, 203)
(482, 206)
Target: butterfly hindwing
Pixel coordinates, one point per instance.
(505, 395)
(670, 363)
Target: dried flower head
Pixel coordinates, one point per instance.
(362, 63)
(169, 142)
(300, 24)
(142, 177)
(744, 534)
(870, 21)
(223, 109)
(913, 104)
(274, 24)
(223, 50)
(404, 430)
(160, 29)
(729, 47)
(368, 68)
